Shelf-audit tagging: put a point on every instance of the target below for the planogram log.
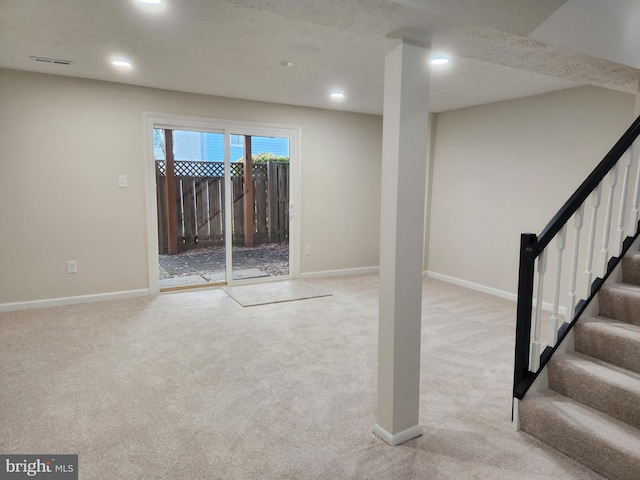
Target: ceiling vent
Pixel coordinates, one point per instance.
(52, 60)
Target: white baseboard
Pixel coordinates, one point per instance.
(399, 437)
(339, 273)
(484, 289)
(437, 276)
(58, 302)
(472, 286)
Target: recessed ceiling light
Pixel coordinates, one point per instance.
(286, 63)
(121, 63)
(150, 1)
(337, 95)
(439, 61)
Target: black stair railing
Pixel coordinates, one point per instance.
(533, 252)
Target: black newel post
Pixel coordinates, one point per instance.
(523, 320)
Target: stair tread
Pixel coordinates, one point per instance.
(605, 371)
(609, 340)
(595, 439)
(620, 301)
(623, 286)
(631, 268)
(623, 329)
(589, 419)
(609, 388)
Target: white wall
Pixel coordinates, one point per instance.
(504, 169)
(64, 141)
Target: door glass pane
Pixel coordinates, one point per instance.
(260, 200)
(190, 199)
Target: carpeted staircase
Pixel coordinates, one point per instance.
(591, 411)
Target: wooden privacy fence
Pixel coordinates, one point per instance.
(199, 203)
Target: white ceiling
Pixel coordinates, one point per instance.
(233, 48)
(608, 29)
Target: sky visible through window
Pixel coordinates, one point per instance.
(209, 147)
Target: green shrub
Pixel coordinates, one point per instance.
(268, 157)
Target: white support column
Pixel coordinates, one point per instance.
(405, 146)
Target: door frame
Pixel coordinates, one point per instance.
(293, 133)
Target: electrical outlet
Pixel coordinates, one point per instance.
(72, 266)
(307, 250)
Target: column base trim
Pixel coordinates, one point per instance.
(399, 437)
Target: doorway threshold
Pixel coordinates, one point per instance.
(210, 279)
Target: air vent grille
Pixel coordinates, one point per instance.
(52, 60)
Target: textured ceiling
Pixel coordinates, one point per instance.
(234, 48)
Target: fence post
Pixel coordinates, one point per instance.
(523, 315)
(248, 193)
(172, 228)
(272, 178)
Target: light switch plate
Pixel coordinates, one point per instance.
(72, 266)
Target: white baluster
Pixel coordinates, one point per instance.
(560, 244)
(534, 360)
(623, 200)
(579, 216)
(613, 180)
(635, 210)
(595, 198)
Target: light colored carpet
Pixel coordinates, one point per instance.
(274, 292)
(193, 386)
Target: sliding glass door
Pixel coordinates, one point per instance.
(260, 208)
(200, 177)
